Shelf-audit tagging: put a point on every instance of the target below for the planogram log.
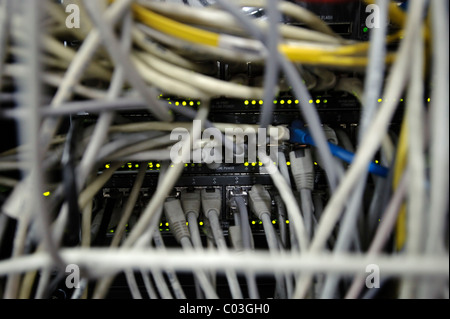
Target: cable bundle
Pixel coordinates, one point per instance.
(147, 56)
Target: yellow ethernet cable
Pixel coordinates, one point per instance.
(174, 28)
(400, 164)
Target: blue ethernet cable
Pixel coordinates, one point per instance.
(299, 135)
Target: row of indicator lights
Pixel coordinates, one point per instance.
(158, 165)
(401, 100)
(261, 102)
(318, 101)
(282, 102)
(183, 103)
(201, 223)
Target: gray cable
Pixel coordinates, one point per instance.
(4, 27)
(301, 92)
(31, 91)
(247, 243)
(245, 226)
(283, 167)
(375, 69)
(222, 245)
(272, 67)
(106, 118)
(372, 90)
(272, 242)
(307, 209)
(120, 58)
(439, 132)
(345, 236)
(194, 230)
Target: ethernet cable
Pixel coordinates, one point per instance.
(417, 195)
(203, 37)
(177, 221)
(382, 233)
(260, 203)
(302, 137)
(294, 212)
(106, 118)
(191, 206)
(371, 141)
(165, 187)
(211, 205)
(439, 131)
(120, 57)
(302, 169)
(207, 84)
(272, 67)
(260, 262)
(190, 202)
(243, 225)
(299, 89)
(29, 133)
(43, 284)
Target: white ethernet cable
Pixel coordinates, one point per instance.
(119, 57)
(371, 140)
(260, 203)
(190, 202)
(212, 205)
(177, 221)
(302, 169)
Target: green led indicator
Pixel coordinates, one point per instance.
(365, 29)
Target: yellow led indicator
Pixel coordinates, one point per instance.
(158, 165)
(160, 224)
(130, 165)
(287, 221)
(186, 165)
(288, 163)
(253, 102)
(184, 103)
(282, 102)
(317, 101)
(377, 161)
(260, 163)
(46, 194)
(380, 100)
(177, 103)
(296, 101)
(107, 166)
(253, 164)
(187, 223)
(246, 102)
(246, 164)
(274, 221)
(191, 103)
(261, 102)
(201, 223)
(315, 163)
(253, 222)
(429, 100)
(289, 101)
(167, 224)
